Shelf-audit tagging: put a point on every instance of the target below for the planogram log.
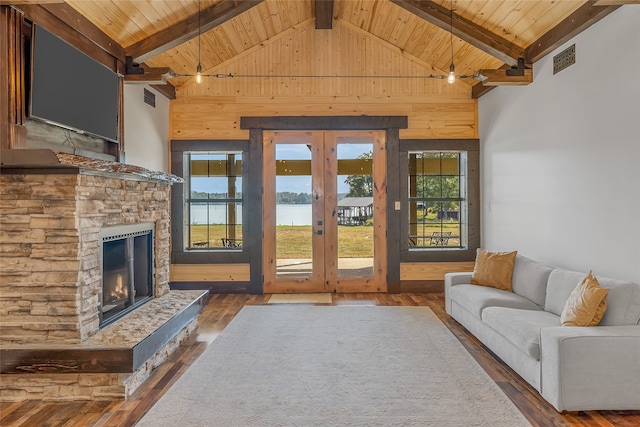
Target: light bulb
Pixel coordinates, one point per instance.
(199, 74)
(452, 75)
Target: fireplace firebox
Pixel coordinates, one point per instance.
(127, 270)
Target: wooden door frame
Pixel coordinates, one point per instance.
(325, 274)
(271, 283)
(390, 124)
(377, 282)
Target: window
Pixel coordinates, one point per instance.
(213, 200)
(437, 200)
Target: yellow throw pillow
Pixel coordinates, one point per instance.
(586, 304)
(494, 269)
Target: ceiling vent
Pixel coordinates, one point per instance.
(564, 59)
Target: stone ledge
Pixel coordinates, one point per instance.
(121, 347)
(16, 161)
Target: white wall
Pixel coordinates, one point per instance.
(560, 158)
(146, 129)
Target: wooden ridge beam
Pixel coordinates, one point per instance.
(584, 17)
(324, 14)
(471, 33)
(188, 29)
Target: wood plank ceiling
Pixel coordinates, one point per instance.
(487, 34)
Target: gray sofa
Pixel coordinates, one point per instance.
(573, 368)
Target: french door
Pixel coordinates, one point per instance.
(324, 211)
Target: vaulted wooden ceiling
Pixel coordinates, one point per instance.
(487, 34)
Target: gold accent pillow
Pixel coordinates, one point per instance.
(586, 304)
(494, 269)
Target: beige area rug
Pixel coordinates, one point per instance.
(300, 299)
(335, 366)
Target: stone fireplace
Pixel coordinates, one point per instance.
(82, 243)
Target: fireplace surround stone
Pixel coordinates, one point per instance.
(53, 207)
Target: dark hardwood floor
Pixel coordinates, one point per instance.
(219, 312)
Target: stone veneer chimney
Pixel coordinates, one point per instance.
(52, 208)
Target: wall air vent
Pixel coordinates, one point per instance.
(564, 59)
(150, 98)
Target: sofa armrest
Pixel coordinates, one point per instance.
(591, 368)
(452, 279)
(461, 278)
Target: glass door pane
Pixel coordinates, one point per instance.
(355, 209)
(294, 216)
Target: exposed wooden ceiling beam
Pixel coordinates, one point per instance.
(10, 2)
(78, 22)
(188, 29)
(615, 2)
(500, 77)
(167, 89)
(151, 75)
(324, 14)
(83, 41)
(471, 33)
(479, 89)
(584, 17)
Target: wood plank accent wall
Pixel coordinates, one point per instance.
(210, 272)
(432, 270)
(435, 109)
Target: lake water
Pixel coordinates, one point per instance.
(285, 214)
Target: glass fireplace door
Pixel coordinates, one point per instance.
(127, 272)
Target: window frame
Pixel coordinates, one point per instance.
(190, 202)
(180, 252)
(461, 198)
(442, 253)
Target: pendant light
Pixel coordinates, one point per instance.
(451, 78)
(199, 67)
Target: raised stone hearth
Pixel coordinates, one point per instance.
(108, 366)
(53, 207)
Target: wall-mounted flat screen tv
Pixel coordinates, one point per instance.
(72, 90)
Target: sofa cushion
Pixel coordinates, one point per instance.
(520, 327)
(493, 269)
(476, 298)
(623, 300)
(586, 304)
(530, 279)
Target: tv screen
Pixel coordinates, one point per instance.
(70, 89)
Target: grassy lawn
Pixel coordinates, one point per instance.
(295, 241)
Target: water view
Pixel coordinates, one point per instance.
(285, 214)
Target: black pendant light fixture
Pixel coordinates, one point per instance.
(199, 67)
(451, 78)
